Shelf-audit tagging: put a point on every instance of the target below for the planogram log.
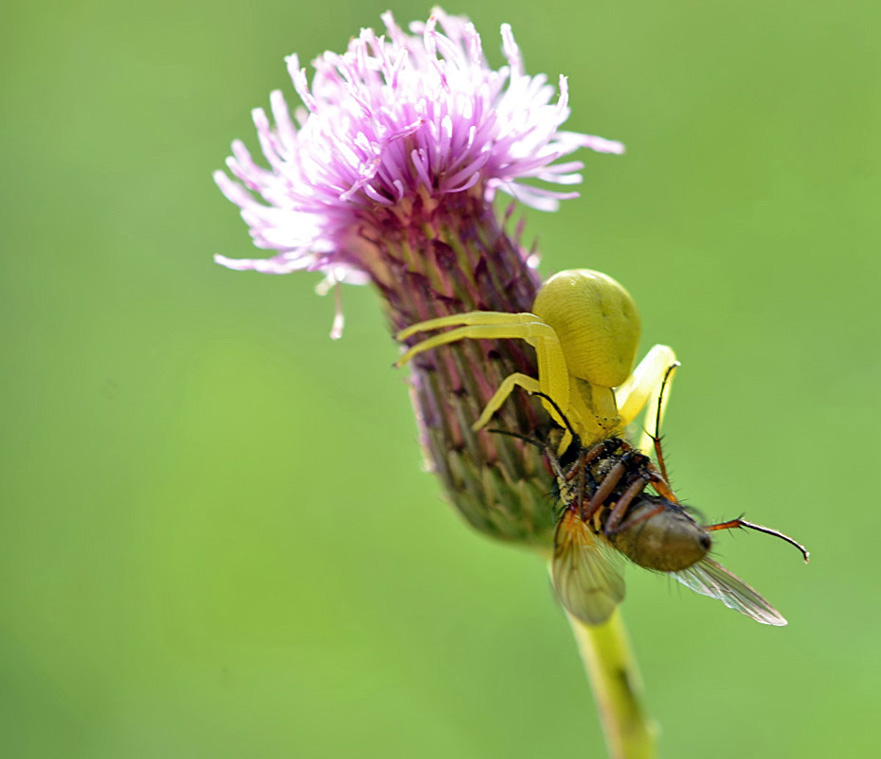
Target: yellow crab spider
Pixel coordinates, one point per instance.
(584, 327)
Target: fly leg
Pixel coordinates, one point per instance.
(662, 487)
(605, 489)
(656, 437)
(618, 512)
(733, 524)
(644, 517)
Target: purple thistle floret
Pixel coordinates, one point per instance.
(396, 118)
(388, 178)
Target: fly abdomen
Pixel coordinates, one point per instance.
(668, 540)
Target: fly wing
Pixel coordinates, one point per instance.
(711, 579)
(587, 573)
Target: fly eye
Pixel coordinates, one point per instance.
(706, 541)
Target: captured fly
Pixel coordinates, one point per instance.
(607, 515)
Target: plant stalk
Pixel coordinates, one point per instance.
(617, 688)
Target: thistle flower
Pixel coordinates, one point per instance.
(387, 177)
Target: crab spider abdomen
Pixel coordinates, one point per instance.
(596, 321)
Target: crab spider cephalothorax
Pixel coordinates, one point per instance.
(584, 327)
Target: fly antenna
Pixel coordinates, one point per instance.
(559, 475)
(656, 438)
(546, 447)
(535, 441)
(559, 411)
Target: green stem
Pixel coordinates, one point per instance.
(617, 688)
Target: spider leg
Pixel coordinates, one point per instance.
(467, 319)
(530, 385)
(553, 373)
(517, 379)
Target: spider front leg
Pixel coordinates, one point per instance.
(643, 390)
(553, 374)
(531, 385)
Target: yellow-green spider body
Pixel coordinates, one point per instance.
(585, 328)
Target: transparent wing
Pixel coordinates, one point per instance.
(587, 573)
(711, 579)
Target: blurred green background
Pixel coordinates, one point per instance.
(216, 538)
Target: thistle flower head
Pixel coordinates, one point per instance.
(397, 120)
(386, 176)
